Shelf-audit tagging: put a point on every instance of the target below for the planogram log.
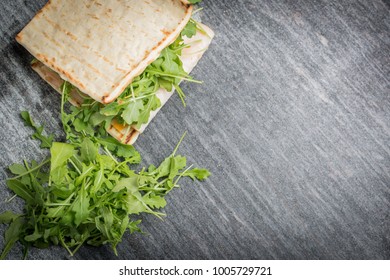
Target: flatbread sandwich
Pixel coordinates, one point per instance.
(118, 60)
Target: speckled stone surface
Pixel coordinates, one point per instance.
(293, 120)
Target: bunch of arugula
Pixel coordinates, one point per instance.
(134, 105)
(86, 192)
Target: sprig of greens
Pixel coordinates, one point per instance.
(46, 141)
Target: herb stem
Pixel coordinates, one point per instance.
(178, 144)
(182, 174)
(175, 76)
(75, 166)
(11, 198)
(197, 10)
(181, 94)
(78, 247)
(140, 97)
(132, 91)
(109, 154)
(31, 170)
(63, 99)
(65, 246)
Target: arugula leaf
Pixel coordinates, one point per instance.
(133, 226)
(17, 169)
(194, 1)
(189, 30)
(197, 173)
(21, 190)
(80, 207)
(46, 141)
(135, 205)
(111, 109)
(34, 236)
(60, 153)
(7, 217)
(154, 201)
(119, 149)
(128, 184)
(88, 150)
(152, 104)
(59, 175)
(12, 235)
(131, 113)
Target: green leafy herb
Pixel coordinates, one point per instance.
(7, 217)
(83, 194)
(12, 235)
(45, 140)
(189, 30)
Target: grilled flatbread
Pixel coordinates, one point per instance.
(101, 46)
(128, 134)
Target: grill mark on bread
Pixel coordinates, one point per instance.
(49, 38)
(58, 27)
(121, 70)
(93, 16)
(84, 62)
(71, 79)
(165, 32)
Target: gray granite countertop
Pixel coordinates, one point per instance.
(293, 120)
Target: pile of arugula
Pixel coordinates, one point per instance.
(85, 192)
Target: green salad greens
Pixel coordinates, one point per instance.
(86, 193)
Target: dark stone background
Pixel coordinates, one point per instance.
(292, 120)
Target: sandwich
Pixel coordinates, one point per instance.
(118, 61)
